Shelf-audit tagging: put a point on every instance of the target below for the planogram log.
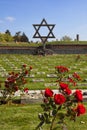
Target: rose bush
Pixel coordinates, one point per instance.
(64, 104)
(14, 82)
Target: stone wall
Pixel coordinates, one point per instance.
(69, 49)
(57, 49)
(17, 50)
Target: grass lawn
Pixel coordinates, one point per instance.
(43, 66)
(25, 117)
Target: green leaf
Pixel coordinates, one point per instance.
(46, 115)
(54, 112)
(47, 120)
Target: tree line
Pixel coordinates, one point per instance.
(18, 37)
(22, 37)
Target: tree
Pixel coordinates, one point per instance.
(20, 38)
(7, 37)
(17, 36)
(7, 32)
(24, 38)
(66, 38)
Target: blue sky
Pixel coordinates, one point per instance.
(70, 16)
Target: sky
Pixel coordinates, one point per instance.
(69, 17)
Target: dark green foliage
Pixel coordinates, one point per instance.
(8, 32)
(7, 37)
(20, 38)
(24, 38)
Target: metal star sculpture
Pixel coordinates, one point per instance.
(37, 28)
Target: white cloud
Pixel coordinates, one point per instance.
(10, 19)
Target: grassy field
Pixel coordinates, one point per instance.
(43, 72)
(25, 117)
(43, 68)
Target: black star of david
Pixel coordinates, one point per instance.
(50, 28)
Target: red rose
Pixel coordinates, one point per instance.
(24, 65)
(24, 81)
(72, 81)
(68, 91)
(16, 75)
(63, 85)
(61, 69)
(16, 88)
(26, 90)
(78, 95)
(30, 67)
(76, 76)
(26, 72)
(80, 109)
(59, 99)
(6, 84)
(48, 92)
(9, 78)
